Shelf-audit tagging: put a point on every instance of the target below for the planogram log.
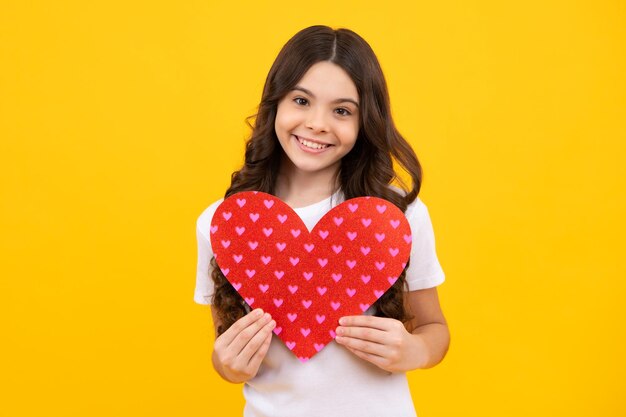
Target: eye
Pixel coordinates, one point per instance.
(344, 112)
(300, 98)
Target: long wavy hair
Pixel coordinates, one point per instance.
(367, 170)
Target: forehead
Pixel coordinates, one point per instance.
(326, 80)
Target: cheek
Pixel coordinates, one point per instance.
(285, 121)
(349, 133)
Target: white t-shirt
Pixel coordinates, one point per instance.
(334, 382)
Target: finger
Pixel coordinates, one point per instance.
(255, 343)
(363, 346)
(258, 356)
(229, 335)
(375, 359)
(364, 333)
(244, 336)
(381, 323)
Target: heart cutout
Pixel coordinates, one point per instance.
(308, 280)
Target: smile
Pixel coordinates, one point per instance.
(308, 145)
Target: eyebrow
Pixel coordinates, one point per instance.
(339, 100)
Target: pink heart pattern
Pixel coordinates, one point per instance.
(308, 280)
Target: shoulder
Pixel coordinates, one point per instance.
(204, 219)
(416, 211)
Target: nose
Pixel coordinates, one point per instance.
(316, 120)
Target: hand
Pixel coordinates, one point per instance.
(385, 342)
(239, 351)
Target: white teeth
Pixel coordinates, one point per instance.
(311, 144)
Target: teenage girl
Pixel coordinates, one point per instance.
(324, 134)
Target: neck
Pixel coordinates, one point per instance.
(302, 188)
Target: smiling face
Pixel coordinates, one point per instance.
(317, 122)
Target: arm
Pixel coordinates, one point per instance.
(428, 324)
(216, 363)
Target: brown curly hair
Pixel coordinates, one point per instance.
(367, 170)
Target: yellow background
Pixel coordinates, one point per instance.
(121, 121)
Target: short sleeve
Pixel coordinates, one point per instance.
(424, 270)
(204, 283)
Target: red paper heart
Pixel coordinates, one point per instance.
(307, 281)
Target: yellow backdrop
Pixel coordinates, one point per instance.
(120, 121)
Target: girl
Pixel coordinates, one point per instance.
(324, 134)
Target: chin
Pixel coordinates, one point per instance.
(309, 168)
